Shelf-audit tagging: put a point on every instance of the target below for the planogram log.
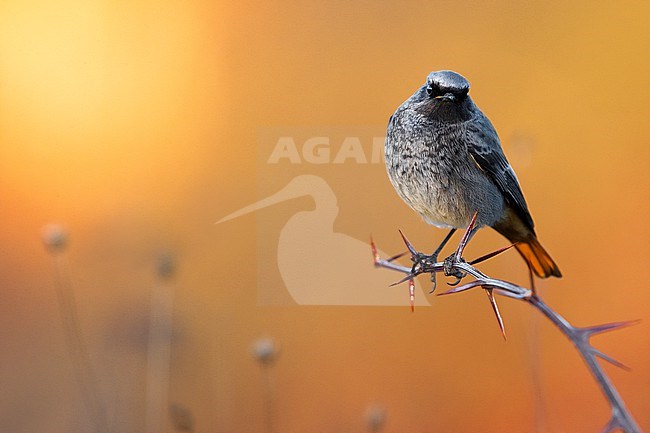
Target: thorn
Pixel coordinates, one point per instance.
(472, 223)
(606, 327)
(396, 256)
(462, 288)
(531, 278)
(612, 426)
(495, 307)
(375, 254)
(408, 244)
(609, 359)
(455, 283)
(412, 294)
(406, 278)
(466, 236)
(490, 255)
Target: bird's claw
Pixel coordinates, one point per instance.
(435, 283)
(422, 263)
(451, 271)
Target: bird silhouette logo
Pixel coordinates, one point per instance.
(318, 265)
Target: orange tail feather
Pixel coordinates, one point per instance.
(537, 258)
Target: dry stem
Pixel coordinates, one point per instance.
(455, 265)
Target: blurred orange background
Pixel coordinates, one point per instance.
(134, 125)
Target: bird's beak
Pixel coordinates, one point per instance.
(287, 193)
(447, 97)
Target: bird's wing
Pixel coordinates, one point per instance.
(485, 148)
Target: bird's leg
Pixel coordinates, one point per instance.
(420, 260)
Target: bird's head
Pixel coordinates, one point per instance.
(444, 97)
(447, 86)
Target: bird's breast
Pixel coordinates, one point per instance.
(433, 172)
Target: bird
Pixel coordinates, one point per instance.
(444, 159)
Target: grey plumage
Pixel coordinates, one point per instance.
(444, 158)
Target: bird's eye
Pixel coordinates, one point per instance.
(433, 90)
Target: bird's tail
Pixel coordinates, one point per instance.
(537, 258)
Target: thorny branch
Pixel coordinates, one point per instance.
(456, 266)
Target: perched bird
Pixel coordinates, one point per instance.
(444, 158)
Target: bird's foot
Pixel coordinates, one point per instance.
(451, 271)
(423, 263)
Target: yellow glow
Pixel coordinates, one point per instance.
(95, 93)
